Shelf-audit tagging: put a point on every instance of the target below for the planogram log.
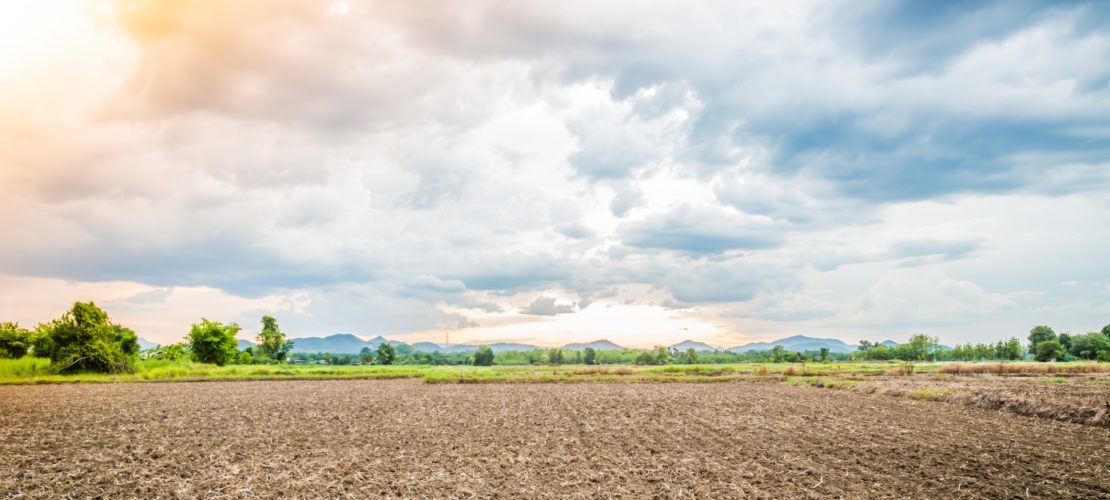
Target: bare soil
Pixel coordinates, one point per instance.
(1081, 399)
(404, 438)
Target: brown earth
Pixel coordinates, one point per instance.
(1080, 399)
(409, 439)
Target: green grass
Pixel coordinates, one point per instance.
(23, 367)
(830, 375)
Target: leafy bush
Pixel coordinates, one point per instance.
(214, 342)
(1048, 350)
(84, 339)
(15, 342)
(171, 352)
(483, 356)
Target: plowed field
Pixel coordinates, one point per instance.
(405, 438)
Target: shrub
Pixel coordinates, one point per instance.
(171, 352)
(1049, 350)
(483, 356)
(244, 357)
(213, 342)
(84, 339)
(14, 341)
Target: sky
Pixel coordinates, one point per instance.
(558, 171)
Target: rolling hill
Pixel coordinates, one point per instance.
(597, 345)
(690, 344)
(800, 343)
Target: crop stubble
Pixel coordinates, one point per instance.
(404, 438)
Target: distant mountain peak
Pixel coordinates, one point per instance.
(599, 345)
(690, 344)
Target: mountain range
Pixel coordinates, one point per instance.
(798, 343)
(345, 343)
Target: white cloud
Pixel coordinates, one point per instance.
(385, 168)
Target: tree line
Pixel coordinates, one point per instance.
(84, 339)
(1043, 345)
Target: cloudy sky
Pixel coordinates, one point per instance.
(557, 171)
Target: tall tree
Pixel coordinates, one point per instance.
(272, 344)
(1065, 340)
(386, 353)
(1040, 333)
(589, 356)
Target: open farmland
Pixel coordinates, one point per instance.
(406, 438)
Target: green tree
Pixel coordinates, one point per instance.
(15, 342)
(1065, 340)
(1049, 350)
(386, 354)
(1038, 334)
(1090, 345)
(272, 344)
(823, 354)
(213, 342)
(1106, 330)
(84, 339)
(483, 356)
(366, 356)
(555, 356)
(690, 356)
(922, 347)
(645, 358)
(661, 355)
(778, 354)
(589, 356)
(1013, 349)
